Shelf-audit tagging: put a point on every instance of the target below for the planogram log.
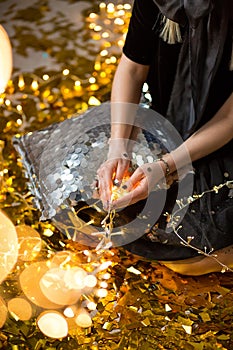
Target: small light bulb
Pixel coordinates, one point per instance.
(69, 312)
(21, 82)
(45, 77)
(106, 276)
(97, 28)
(97, 66)
(34, 85)
(113, 59)
(65, 72)
(92, 15)
(121, 13)
(102, 5)
(127, 6)
(110, 8)
(103, 284)
(105, 35)
(119, 21)
(91, 305)
(101, 293)
(92, 80)
(103, 53)
(19, 108)
(90, 281)
(120, 43)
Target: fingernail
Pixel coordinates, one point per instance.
(106, 205)
(125, 155)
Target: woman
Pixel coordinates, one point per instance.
(184, 52)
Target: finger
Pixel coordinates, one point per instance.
(95, 194)
(95, 189)
(135, 178)
(132, 197)
(121, 169)
(122, 202)
(105, 190)
(105, 185)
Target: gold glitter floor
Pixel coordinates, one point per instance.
(65, 55)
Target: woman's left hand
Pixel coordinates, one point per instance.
(140, 184)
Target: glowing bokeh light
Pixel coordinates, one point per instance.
(93, 101)
(83, 319)
(53, 324)
(90, 281)
(101, 293)
(91, 305)
(70, 311)
(75, 278)
(3, 312)
(29, 242)
(5, 59)
(20, 309)
(8, 246)
(54, 287)
(66, 71)
(30, 284)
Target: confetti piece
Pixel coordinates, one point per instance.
(133, 270)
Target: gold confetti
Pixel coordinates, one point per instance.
(133, 314)
(133, 270)
(188, 329)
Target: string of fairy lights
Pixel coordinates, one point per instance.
(60, 290)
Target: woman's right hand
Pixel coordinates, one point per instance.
(110, 172)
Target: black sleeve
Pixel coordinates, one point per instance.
(141, 37)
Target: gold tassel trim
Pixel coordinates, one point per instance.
(170, 32)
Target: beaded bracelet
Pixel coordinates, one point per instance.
(167, 169)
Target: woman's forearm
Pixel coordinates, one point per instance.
(125, 96)
(214, 134)
(209, 138)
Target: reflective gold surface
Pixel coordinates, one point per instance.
(143, 305)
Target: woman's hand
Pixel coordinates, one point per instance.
(140, 184)
(111, 172)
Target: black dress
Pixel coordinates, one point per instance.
(209, 221)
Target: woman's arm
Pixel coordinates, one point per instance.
(128, 81)
(209, 138)
(214, 134)
(126, 94)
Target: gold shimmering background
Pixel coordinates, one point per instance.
(65, 56)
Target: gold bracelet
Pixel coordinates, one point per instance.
(167, 169)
